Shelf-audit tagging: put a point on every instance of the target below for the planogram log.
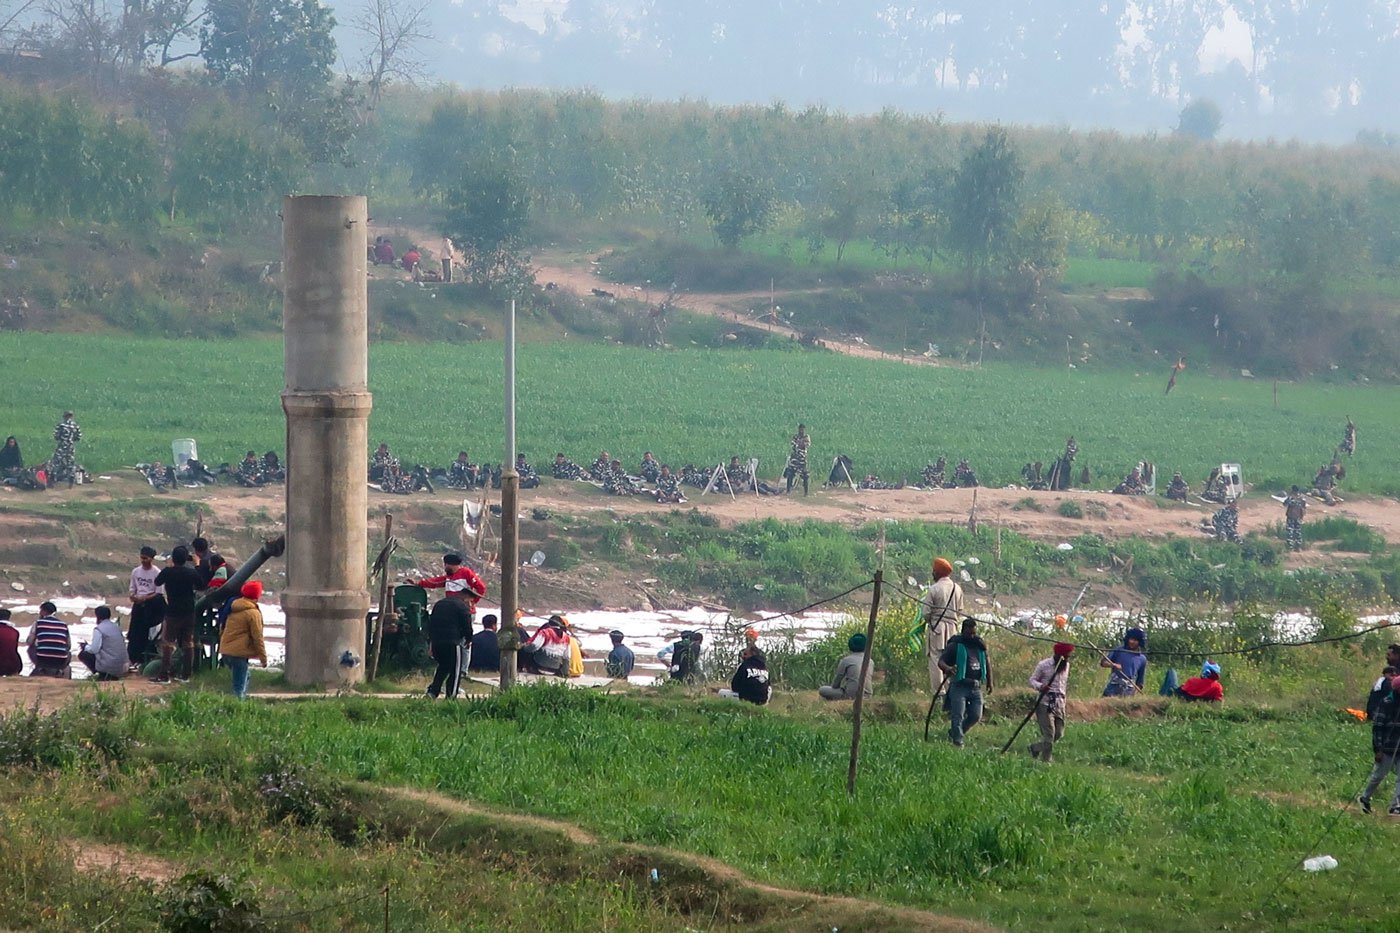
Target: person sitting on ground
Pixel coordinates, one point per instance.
(11, 665)
(969, 670)
(106, 654)
(160, 476)
(684, 656)
(934, 475)
(462, 473)
(1206, 687)
(250, 471)
(50, 647)
(1032, 474)
(411, 259)
(1385, 746)
(1325, 482)
(668, 486)
(872, 481)
(750, 680)
(1178, 488)
(485, 652)
(564, 468)
(650, 469)
(600, 468)
(1129, 665)
(383, 252)
(847, 678)
(380, 461)
(618, 483)
(963, 475)
(11, 460)
(549, 647)
(272, 469)
(529, 479)
(1132, 484)
(620, 660)
(741, 479)
(242, 639)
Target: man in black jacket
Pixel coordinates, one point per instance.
(449, 626)
(1385, 744)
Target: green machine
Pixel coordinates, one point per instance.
(405, 644)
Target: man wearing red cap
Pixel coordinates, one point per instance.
(242, 640)
(942, 610)
(1051, 681)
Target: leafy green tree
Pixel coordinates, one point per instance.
(263, 45)
(738, 205)
(487, 205)
(985, 204)
(225, 170)
(1201, 119)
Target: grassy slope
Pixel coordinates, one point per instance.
(134, 395)
(1140, 820)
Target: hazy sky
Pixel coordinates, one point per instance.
(1307, 68)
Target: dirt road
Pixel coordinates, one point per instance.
(577, 274)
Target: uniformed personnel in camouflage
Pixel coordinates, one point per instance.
(618, 483)
(1294, 508)
(1349, 438)
(797, 459)
(668, 486)
(249, 471)
(381, 461)
(64, 463)
(1178, 488)
(963, 476)
(564, 468)
(529, 479)
(1227, 523)
(462, 473)
(600, 468)
(872, 481)
(935, 474)
(650, 469)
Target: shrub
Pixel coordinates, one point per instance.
(1070, 509)
(201, 902)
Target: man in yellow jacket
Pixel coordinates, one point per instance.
(242, 640)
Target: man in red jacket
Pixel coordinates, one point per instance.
(457, 578)
(10, 662)
(1207, 687)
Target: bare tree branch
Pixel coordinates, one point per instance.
(395, 31)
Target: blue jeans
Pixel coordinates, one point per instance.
(239, 669)
(964, 708)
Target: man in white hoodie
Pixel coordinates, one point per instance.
(106, 654)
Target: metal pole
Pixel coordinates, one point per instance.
(507, 634)
(860, 685)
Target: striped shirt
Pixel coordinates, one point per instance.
(51, 643)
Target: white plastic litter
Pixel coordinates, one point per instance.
(17, 587)
(1320, 863)
(1064, 546)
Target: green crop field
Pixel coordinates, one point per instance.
(133, 396)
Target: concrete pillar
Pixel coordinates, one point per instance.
(327, 402)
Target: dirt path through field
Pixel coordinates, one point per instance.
(577, 274)
(876, 912)
(108, 860)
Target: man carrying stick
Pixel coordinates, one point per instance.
(1051, 681)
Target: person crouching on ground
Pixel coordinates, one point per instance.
(847, 679)
(242, 640)
(106, 654)
(1385, 745)
(1205, 687)
(49, 644)
(10, 663)
(1051, 681)
(549, 648)
(965, 663)
(750, 680)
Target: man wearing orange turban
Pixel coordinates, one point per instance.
(942, 610)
